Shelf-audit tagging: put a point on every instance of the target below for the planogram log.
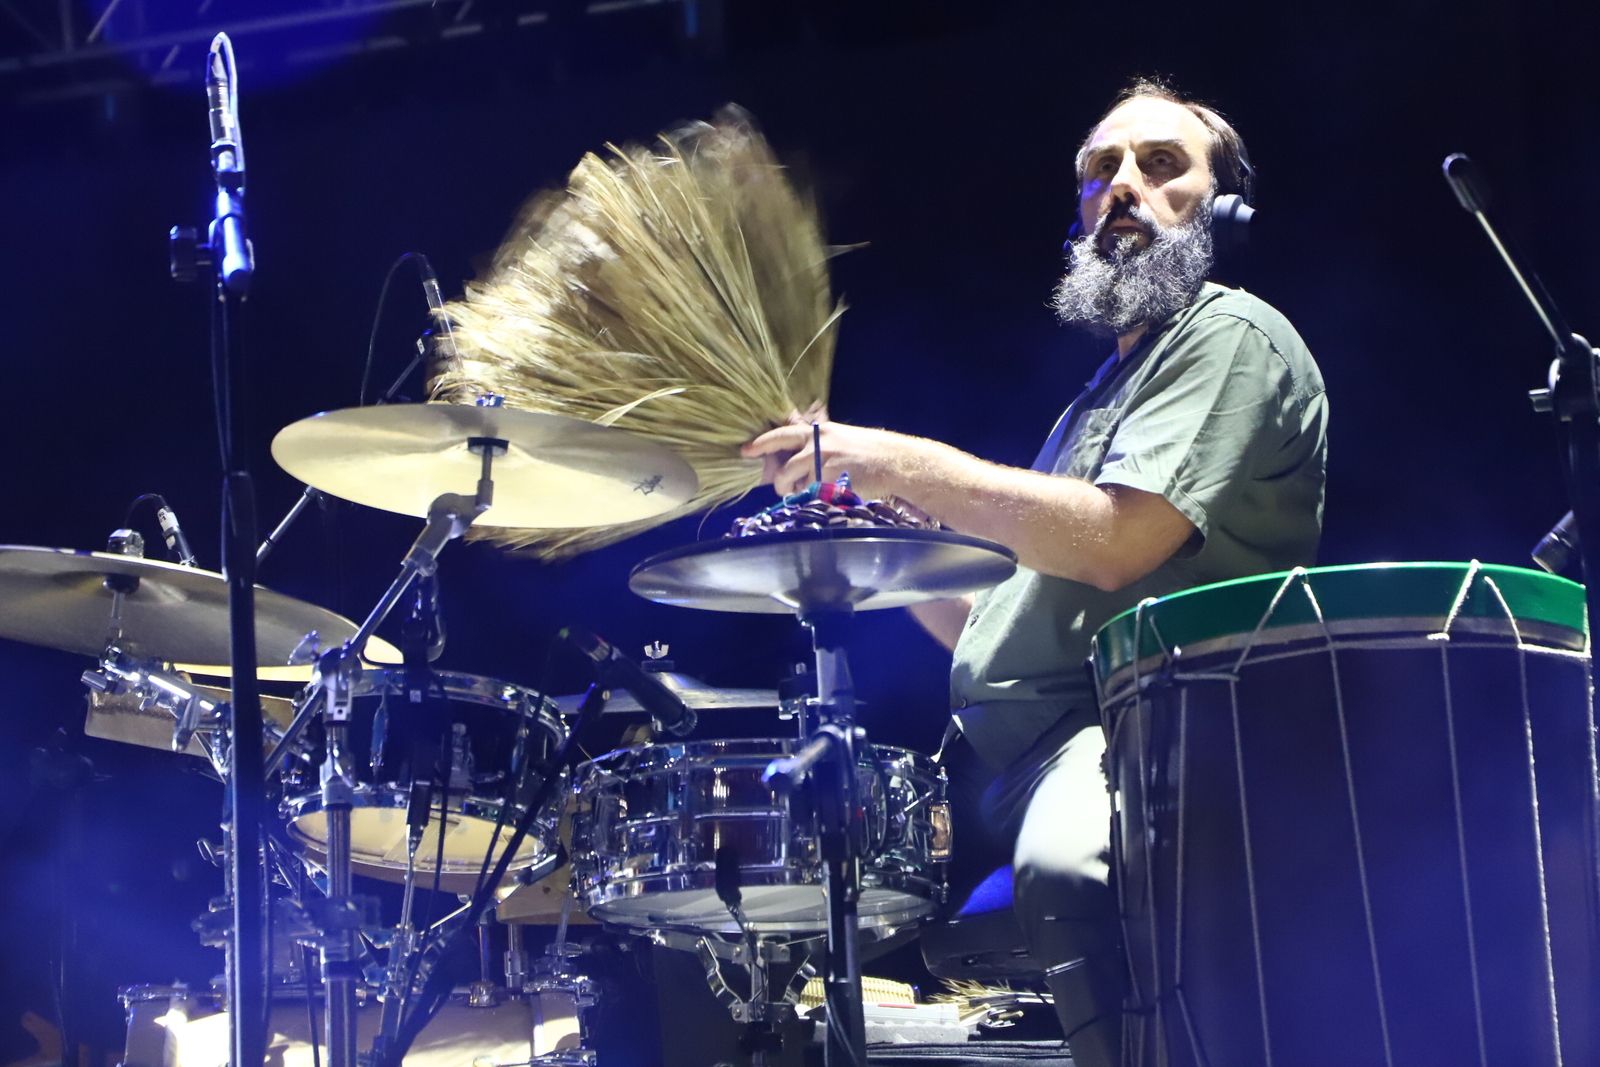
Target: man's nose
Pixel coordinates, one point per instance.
(1128, 181)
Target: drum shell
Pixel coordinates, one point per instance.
(491, 714)
(649, 822)
(1375, 852)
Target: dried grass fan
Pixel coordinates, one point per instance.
(678, 291)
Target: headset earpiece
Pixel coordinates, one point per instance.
(1230, 222)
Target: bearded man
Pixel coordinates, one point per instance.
(1196, 454)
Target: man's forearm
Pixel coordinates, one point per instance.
(1060, 526)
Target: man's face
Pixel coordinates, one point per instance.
(1148, 154)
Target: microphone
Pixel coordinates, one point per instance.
(1554, 550)
(1463, 178)
(230, 246)
(176, 542)
(667, 709)
(435, 299)
(225, 152)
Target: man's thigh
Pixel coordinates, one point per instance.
(1064, 834)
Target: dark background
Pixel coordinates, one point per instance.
(939, 133)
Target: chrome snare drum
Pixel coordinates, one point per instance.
(495, 730)
(650, 821)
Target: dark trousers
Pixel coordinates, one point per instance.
(1045, 810)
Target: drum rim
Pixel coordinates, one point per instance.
(680, 755)
(481, 690)
(657, 885)
(367, 797)
(1546, 607)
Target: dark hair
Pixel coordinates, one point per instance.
(1230, 163)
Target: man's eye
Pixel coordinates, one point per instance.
(1162, 159)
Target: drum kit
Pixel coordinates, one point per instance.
(747, 852)
(1291, 789)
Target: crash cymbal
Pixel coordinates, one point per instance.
(692, 691)
(822, 570)
(556, 472)
(59, 598)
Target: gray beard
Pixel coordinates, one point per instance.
(1128, 287)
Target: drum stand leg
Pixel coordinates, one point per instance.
(828, 759)
(834, 785)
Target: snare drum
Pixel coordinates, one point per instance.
(650, 820)
(1355, 819)
(491, 722)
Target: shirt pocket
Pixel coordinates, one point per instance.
(1084, 449)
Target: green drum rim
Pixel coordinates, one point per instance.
(1346, 594)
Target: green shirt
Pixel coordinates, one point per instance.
(1220, 410)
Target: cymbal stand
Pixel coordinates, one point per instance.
(828, 761)
(331, 695)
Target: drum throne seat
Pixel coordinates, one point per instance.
(980, 939)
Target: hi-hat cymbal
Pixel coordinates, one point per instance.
(800, 571)
(58, 597)
(692, 691)
(556, 472)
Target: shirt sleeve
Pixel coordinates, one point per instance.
(1190, 430)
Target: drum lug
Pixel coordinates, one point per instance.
(943, 834)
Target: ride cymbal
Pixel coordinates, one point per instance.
(555, 472)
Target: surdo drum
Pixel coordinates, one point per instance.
(1355, 818)
(650, 822)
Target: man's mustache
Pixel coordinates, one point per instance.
(1127, 209)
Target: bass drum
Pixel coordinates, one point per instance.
(1355, 819)
(650, 821)
(171, 1026)
(496, 731)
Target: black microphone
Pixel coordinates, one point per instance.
(666, 708)
(1554, 551)
(1462, 175)
(176, 542)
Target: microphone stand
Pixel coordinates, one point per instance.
(1573, 399)
(828, 760)
(228, 254)
(1571, 395)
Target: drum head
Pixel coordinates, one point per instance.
(378, 840)
(1378, 598)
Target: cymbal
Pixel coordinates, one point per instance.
(57, 597)
(805, 571)
(692, 691)
(556, 472)
(378, 653)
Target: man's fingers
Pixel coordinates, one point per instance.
(797, 473)
(781, 439)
